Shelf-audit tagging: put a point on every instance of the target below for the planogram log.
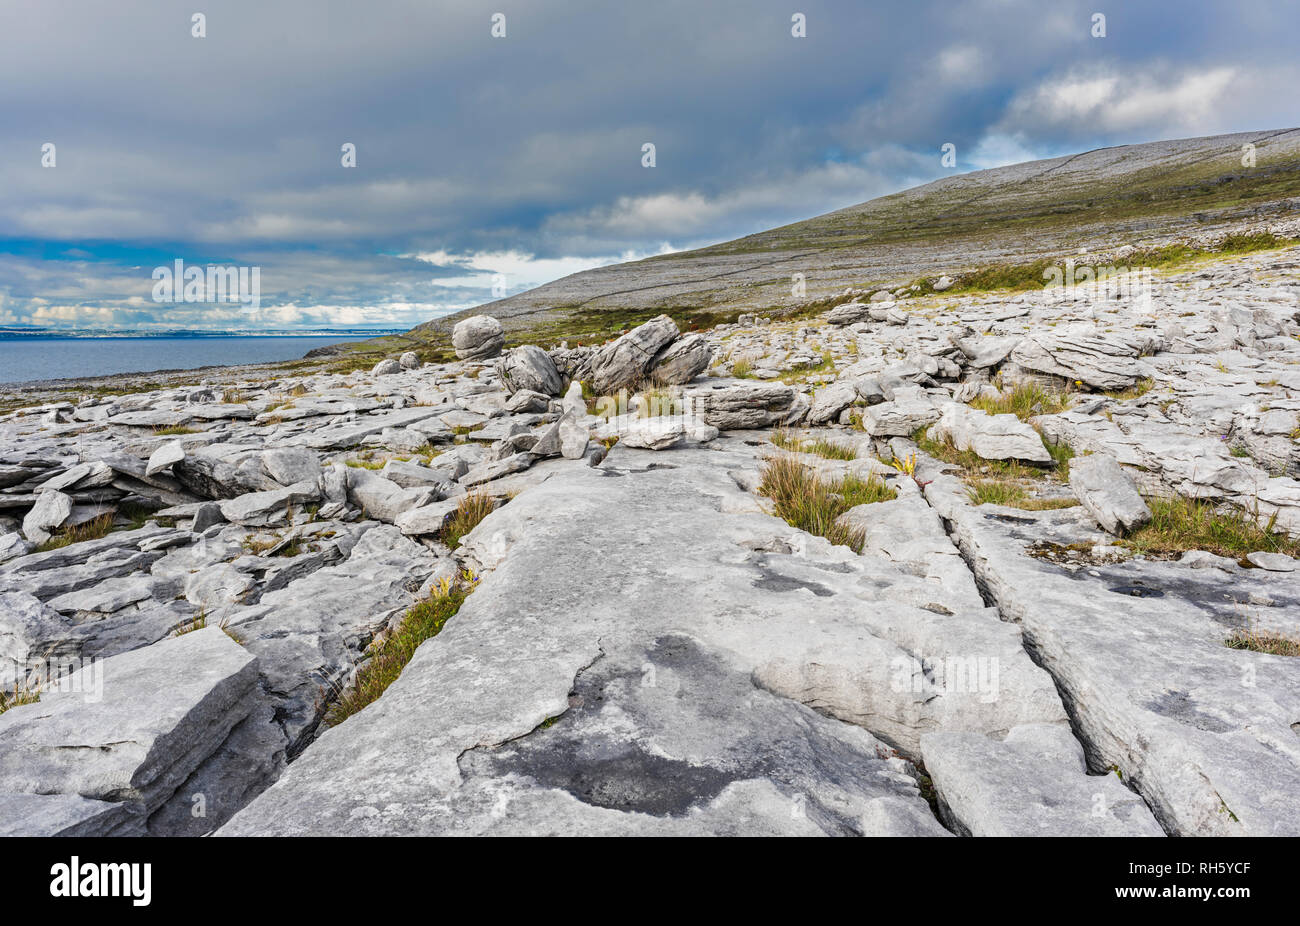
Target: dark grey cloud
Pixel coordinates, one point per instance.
(522, 155)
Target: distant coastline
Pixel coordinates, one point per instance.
(43, 357)
(15, 333)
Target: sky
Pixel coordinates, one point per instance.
(488, 164)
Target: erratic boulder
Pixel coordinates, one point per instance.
(529, 367)
(625, 362)
(478, 338)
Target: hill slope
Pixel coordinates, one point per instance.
(1106, 197)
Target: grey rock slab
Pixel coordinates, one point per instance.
(14, 545)
(1101, 486)
(991, 437)
(1273, 562)
(1097, 360)
(309, 635)
(1203, 732)
(106, 597)
(682, 360)
(741, 404)
(288, 465)
(52, 508)
(30, 632)
(132, 727)
(987, 788)
(831, 400)
(382, 498)
(427, 519)
(908, 410)
(218, 585)
(66, 815)
(260, 509)
(743, 626)
(525, 400)
(172, 451)
(573, 435)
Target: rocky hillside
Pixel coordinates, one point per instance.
(1138, 195)
(911, 564)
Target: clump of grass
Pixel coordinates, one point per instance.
(390, 656)
(1262, 642)
(23, 693)
(660, 402)
(201, 621)
(1013, 495)
(971, 463)
(357, 463)
(1024, 401)
(795, 375)
(1182, 524)
(96, 527)
(742, 369)
(821, 447)
(174, 429)
(814, 505)
(472, 509)
(1140, 388)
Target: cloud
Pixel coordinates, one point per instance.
(521, 156)
(1106, 99)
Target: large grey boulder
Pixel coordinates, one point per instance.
(831, 400)
(849, 313)
(1034, 783)
(1096, 360)
(52, 508)
(260, 509)
(288, 465)
(626, 362)
(386, 368)
(681, 361)
(478, 338)
(909, 409)
(383, 499)
(531, 368)
(991, 437)
(132, 727)
(741, 404)
(1102, 486)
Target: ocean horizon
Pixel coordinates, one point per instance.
(45, 355)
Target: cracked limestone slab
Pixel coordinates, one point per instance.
(1206, 734)
(782, 630)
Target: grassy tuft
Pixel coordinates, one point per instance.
(1182, 524)
(811, 504)
(1013, 495)
(472, 509)
(821, 447)
(22, 694)
(100, 526)
(1263, 642)
(390, 656)
(1024, 401)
